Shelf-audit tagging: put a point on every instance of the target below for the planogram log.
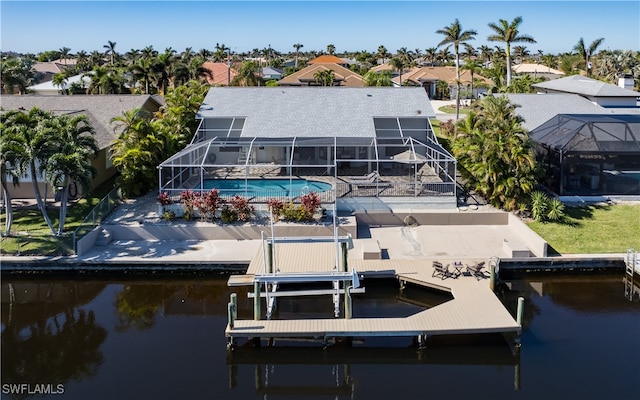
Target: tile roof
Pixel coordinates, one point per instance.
(448, 74)
(220, 73)
(99, 109)
(528, 68)
(327, 59)
(305, 76)
(314, 111)
(582, 85)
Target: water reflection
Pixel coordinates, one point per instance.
(47, 334)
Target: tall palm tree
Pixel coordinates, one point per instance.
(382, 53)
(453, 34)
(13, 164)
(586, 52)
(430, 54)
(60, 79)
(331, 49)
(111, 50)
(248, 75)
(398, 64)
(297, 46)
(507, 32)
(70, 157)
(142, 71)
(64, 54)
(382, 78)
(473, 66)
(28, 130)
(162, 70)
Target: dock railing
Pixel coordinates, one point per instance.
(96, 215)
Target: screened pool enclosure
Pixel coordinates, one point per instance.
(285, 168)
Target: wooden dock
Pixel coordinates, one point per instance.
(474, 308)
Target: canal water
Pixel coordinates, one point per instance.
(164, 339)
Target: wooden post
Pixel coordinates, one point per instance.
(256, 301)
(519, 316)
(230, 314)
(492, 278)
(234, 300)
(270, 258)
(347, 302)
(344, 256)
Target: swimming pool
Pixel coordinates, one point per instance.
(265, 187)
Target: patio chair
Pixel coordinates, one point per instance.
(369, 178)
(440, 270)
(477, 270)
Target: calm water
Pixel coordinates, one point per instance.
(164, 340)
(265, 187)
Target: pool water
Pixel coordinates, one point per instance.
(265, 187)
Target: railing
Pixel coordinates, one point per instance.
(395, 189)
(97, 215)
(257, 196)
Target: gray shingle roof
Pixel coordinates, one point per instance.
(99, 109)
(537, 109)
(582, 85)
(314, 111)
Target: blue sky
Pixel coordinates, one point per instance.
(34, 26)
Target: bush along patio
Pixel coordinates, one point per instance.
(209, 206)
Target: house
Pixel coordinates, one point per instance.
(221, 74)
(585, 149)
(46, 70)
(537, 71)
(428, 77)
(370, 146)
(307, 76)
(100, 110)
(49, 89)
(600, 93)
(271, 73)
(329, 59)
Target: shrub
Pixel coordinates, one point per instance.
(189, 199)
(275, 206)
(545, 209)
(241, 208)
(227, 215)
(168, 215)
(310, 204)
(164, 199)
(208, 204)
(555, 211)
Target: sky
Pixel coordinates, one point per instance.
(34, 26)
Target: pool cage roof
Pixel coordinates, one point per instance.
(203, 153)
(589, 133)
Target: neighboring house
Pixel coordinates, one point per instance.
(221, 73)
(99, 110)
(329, 59)
(600, 93)
(306, 76)
(428, 77)
(270, 73)
(585, 149)
(373, 145)
(49, 89)
(537, 71)
(46, 70)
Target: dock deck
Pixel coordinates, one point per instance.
(474, 308)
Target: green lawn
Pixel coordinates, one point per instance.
(593, 229)
(452, 110)
(30, 234)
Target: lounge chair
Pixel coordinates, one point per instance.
(369, 178)
(477, 270)
(441, 270)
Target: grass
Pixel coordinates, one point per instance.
(593, 229)
(452, 110)
(31, 236)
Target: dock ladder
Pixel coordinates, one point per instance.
(632, 262)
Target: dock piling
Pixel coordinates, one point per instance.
(519, 317)
(345, 251)
(492, 277)
(256, 301)
(270, 258)
(347, 302)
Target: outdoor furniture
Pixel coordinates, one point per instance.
(457, 266)
(477, 270)
(369, 178)
(440, 270)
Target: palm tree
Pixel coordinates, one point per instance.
(16, 74)
(70, 157)
(64, 54)
(398, 64)
(331, 49)
(473, 66)
(12, 164)
(520, 53)
(248, 75)
(324, 77)
(82, 61)
(60, 80)
(382, 78)
(162, 70)
(382, 53)
(104, 80)
(142, 71)
(486, 53)
(586, 52)
(27, 130)
(111, 50)
(297, 46)
(431, 54)
(453, 34)
(508, 33)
